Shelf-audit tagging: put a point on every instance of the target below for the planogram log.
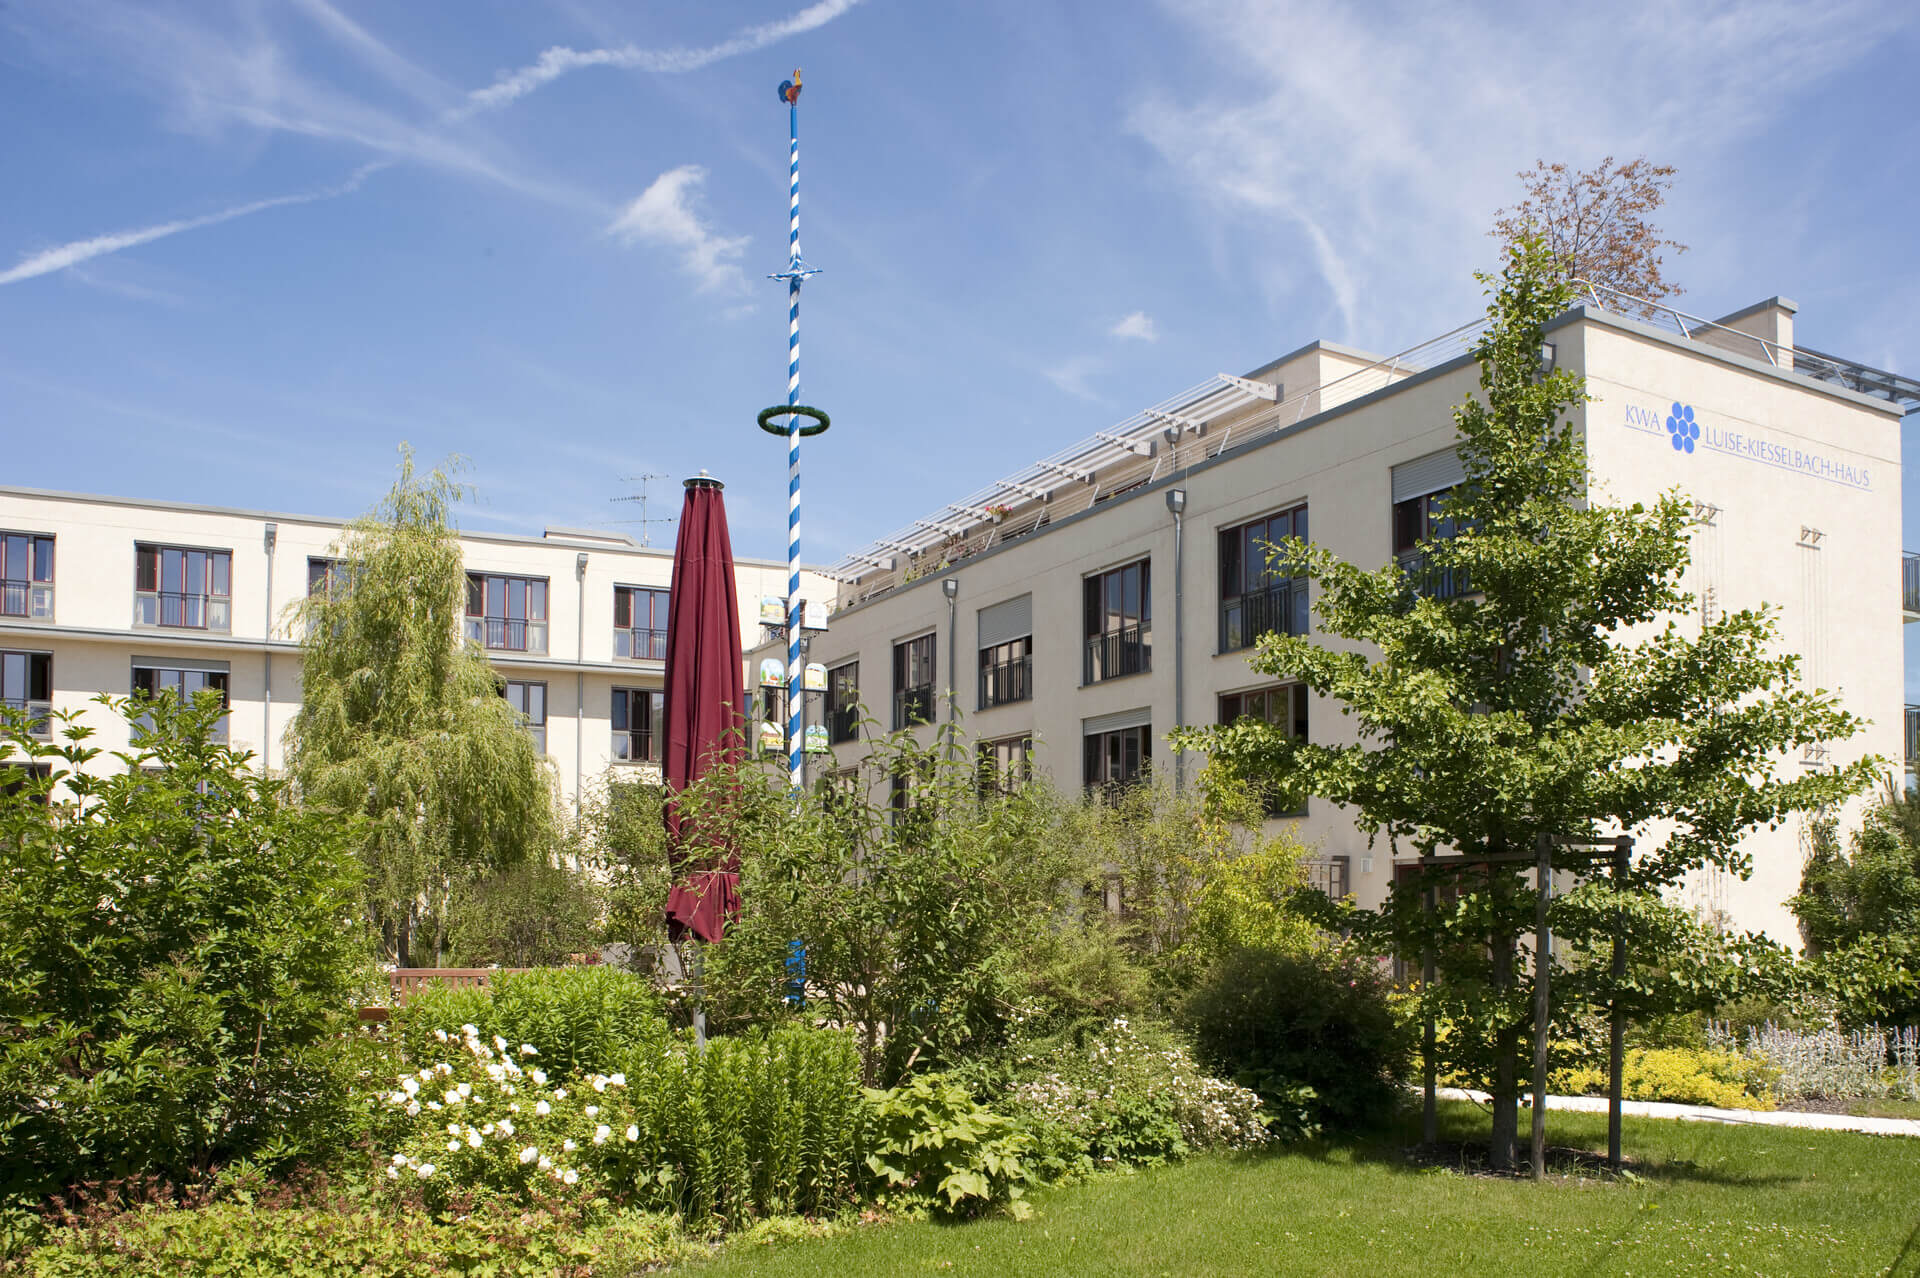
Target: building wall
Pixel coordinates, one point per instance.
(94, 639)
(1839, 604)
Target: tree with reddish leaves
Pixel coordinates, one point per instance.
(1597, 224)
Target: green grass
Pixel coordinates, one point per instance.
(1886, 1109)
(1709, 1199)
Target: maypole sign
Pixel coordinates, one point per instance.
(1684, 431)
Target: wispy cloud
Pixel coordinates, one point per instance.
(1071, 375)
(57, 259)
(665, 215)
(560, 60)
(421, 85)
(1137, 327)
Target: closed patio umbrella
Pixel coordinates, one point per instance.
(705, 708)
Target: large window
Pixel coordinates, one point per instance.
(161, 677)
(190, 589)
(26, 576)
(26, 684)
(913, 682)
(1117, 758)
(509, 613)
(640, 623)
(1420, 492)
(639, 724)
(1254, 599)
(1332, 876)
(324, 575)
(530, 699)
(1119, 623)
(843, 702)
(1285, 707)
(1004, 765)
(1006, 672)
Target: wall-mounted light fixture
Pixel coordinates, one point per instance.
(1547, 357)
(951, 586)
(1177, 500)
(580, 563)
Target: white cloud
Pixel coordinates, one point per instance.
(1071, 375)
(1138, 326)
(665, 215)
(50, 260)
(560, 60)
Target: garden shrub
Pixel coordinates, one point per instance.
(174, 973)
(757, 1124)
(1319, 1020)
(1683, 1075)
(932, 1147)
(580, 1018)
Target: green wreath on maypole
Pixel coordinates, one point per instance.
(819, 415)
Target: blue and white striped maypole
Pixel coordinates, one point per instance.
(796, 272)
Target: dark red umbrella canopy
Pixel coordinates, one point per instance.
(705, 702)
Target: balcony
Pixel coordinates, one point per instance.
(508, 634)
(1430, 582)
(1279, 609)
(176, 609)
(1007, 682)
(1913, 738)
(913, 706)
(1910, 585)
(32, 600)
(39, 715)
(637, 644)
(1117, 653)
(634, 747)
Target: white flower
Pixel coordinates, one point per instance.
(559, 1093)
(393, 1173)
(539, 1076)
(397, 1098)
(543, 1109)
(465, 1090)
(411, 1086)
(570, 1176)
(413, 1109)
(601, 1133)
(506, 1127)
(618, 1080)
(430, 1105)
(426, 1170)
(530, 1153)
(599, 1082)
(399, 1160)
(443, 1068)
(487, 1128)
(453, 1146)
(633, 1132)
(452, 1096)
(567, 1145)
(474, 1140)
(497, 1074)
(440, 1034)
(499, 1042)
(546, 1164)
(513, 1109)
(592, 1110)
(453, 1129)
(528, 1049)
(471, 1031)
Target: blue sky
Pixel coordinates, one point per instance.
(248, 248)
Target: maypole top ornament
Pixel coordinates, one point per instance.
(790, 89)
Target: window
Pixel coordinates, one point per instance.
(15, 777)
(1331, 876)
(639, 724)
(913, 682)
(26, 684)
(507, 612)
(155, 677)
(1254, 599)
(1420, 492)
(1117, 758)
(185, 588)
(26, 576)
(530, 700)
(1005, 765)
(1006, 672)
(1119, 623)
(1284, 707)
(324, 575)
(639, 623)
(843, 702)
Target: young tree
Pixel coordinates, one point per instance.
(401, 726)
(1860, 912)
(1551, 691)
(1596, 224)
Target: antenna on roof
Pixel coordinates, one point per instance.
(646, 534)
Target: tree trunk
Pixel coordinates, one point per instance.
(403, 935)
(1506, 1093)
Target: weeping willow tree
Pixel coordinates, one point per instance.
(402, 729)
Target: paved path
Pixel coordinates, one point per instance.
(1706, 1114)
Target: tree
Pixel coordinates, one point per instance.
(1595, 224)
(1556, 693)
(401, 727)
(1859, 911)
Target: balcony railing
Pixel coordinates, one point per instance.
(1913, 738)
(1910, 582)
(1118, 652)
(1278, 609)
(913, 705)
(637, 644)
(843, 723)
(1007, 682)
(508, 634)
(30, 599)
(634, 747)
(39, 714)
(1432, 581)
(176, 608)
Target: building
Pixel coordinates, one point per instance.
(1085, 605)
(104, 594)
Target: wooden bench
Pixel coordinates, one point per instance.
(406, 981)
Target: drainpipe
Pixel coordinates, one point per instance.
(951, 588)
(266, 656)
(579, 682)
(1177, 503)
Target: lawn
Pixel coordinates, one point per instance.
(1708, 1199)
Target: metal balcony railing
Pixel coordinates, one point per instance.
(634, 747)
(38, 713)
(1006, 682)
(1910, 582)
(33, 599)
(508, 634)
(637, 644)
(913, 705)
(1118, 652)
(1278, 609)
(177, 608)
(1913, 737)
(1431, 581)
(843, 723)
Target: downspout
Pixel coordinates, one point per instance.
(266, 657)
(951, 588)
(1177, 503)
(579, 683)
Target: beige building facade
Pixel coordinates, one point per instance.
(1086, 605)
(121, 596)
